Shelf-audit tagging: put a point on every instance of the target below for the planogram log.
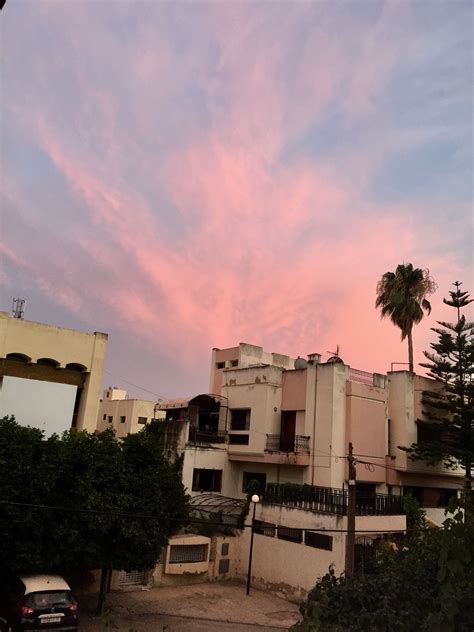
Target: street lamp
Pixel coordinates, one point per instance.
(255, 499)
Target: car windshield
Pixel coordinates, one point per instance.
(49, 599)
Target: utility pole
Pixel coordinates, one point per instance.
(351, 511)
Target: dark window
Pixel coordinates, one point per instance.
(445, 497)
(18, 357)
(108, 394)
(260, 478)
(287, 533)
(318, 540)
(142, 420)
(234, 363)
(389, 437)
(240, 419)
(188, 553)
(73, 366)
(236, 439)
(122, 419)
(426, 433)
(48, 362)
(264, 528)
(104, 417)
(110, 419)
(224, 566)
(207, 480)
(220, 365)
(225, 548)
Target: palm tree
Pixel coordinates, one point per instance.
(402, 296)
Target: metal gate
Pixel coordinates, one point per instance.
(134, 578)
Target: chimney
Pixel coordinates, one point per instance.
(314, 358)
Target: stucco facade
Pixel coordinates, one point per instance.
(124, 415)
(35, 351)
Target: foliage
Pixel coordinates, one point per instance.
(401, 295)
(92, 478)
(448, 407)
(427, 585)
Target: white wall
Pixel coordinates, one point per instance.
(45, 405)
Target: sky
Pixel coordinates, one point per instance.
(189, 175)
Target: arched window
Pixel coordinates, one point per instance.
(18, 357)
(73, 366)
(48, 362)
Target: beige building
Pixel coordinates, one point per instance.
(40, 362)
(125, 415)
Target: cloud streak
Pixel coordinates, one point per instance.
(180, 215)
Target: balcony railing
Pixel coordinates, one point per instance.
(279, 443)
(330, 500)
(197, 435)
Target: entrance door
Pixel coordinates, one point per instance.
(287, 432)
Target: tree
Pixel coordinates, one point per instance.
(95, 501)
(424, 585)
(401, 295)
(447, 430)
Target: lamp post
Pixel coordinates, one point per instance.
(255, 499)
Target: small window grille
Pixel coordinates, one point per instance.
(142, 420)
(220, 365)
(318, 540)
(265, 528)
(287, 533)
(110, 419)
(188, 553)
(122, 419)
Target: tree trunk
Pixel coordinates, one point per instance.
(104, 576)
(410, 350)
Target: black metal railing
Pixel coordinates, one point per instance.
(279, 443)
(198, 435)
(330, 500)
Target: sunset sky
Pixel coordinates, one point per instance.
(191, 175)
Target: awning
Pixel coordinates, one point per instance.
(195, 400)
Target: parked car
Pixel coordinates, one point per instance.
(38, 602)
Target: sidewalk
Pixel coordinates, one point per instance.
(213, 602)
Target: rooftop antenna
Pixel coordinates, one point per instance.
(18, 308)
(334, 354)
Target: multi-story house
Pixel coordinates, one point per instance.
(125, 415)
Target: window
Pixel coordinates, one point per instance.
(445, 497)
(142, 420)
(234, 363)
(287, 533)
(108, 394)
(220, 365)
(188, 553)
(207, 480)
(236, 439)
(110, 419)
(240, 419)
(427, 432)
(264, 528)
(318, 540)
(122, 419)
(104, 417)
(225, 548)
(260, 478)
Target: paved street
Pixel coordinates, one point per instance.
(198, 608)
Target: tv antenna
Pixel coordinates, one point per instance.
(334, 354)
(18, 308)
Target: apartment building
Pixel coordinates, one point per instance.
(50, 377)
(275, 419)
(125, 415)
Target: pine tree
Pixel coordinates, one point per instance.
(447, 430)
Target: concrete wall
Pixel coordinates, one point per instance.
(294, 390)
(64, 346)
(214, 458)
(366, 427)
(131, 409)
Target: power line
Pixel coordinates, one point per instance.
(121, 514)
(146, 390)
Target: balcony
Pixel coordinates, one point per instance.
(331, 500)
(203, 436)
(298, 444)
